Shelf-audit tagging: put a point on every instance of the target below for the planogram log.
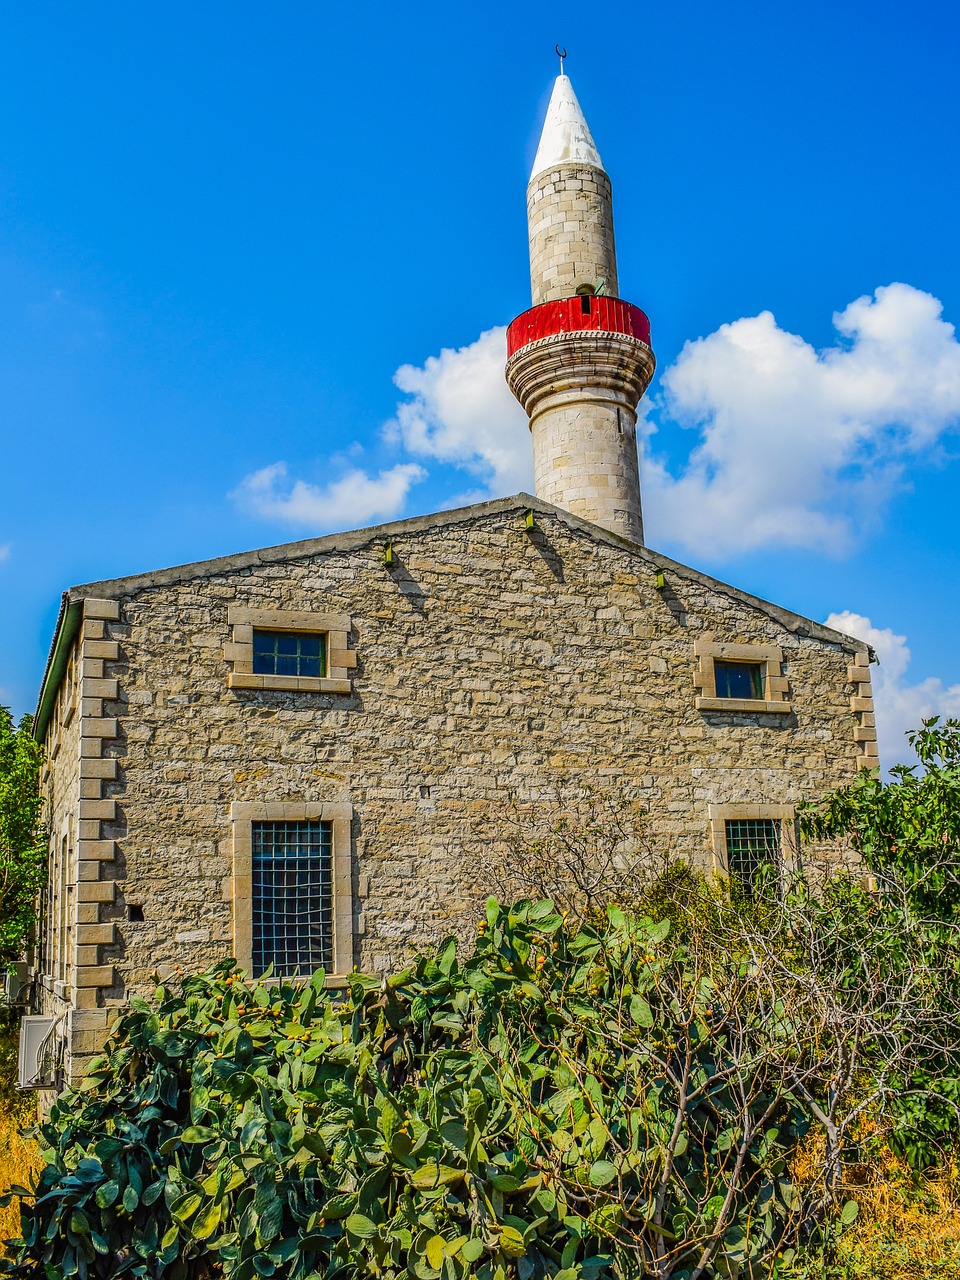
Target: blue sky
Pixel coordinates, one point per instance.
(235, 236)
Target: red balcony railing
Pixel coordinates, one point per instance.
(569, 315)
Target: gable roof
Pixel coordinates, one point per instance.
(71, 605)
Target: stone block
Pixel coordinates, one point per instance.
(94, 976)
(86, 1044)
(100, 727)
(100, 649)
(287, 619)
(99, 688)
(96, 891)
(96, 934)
(109, 610)
(101, 810)
(96, 850)
(332, 685)
(84, 998)
(98, 768)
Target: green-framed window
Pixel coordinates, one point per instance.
(739, 679)
(289, 653)
(751, 843)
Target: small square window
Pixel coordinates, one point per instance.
(739, 679)
(751, 843)
(283, 653)
(289, 651)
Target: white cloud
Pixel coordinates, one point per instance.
(353, 500)
(463, 413)
(793, 446)
(899, 705)
(460, 413)
(798, 447)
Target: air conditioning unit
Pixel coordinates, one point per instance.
(35, 1061)
(17, 989)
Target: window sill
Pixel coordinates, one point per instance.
(288, 684)
(756, 705)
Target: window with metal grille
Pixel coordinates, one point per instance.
(752, 843)
(286, 653)
(292, 897)
(739, 679)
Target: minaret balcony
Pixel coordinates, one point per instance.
(584, 311)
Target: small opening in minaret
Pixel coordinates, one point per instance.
(134, 913)
(585, 304)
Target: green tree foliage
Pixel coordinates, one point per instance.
(22, 838)
(909, 826)
(610, 1101)
(907, 833)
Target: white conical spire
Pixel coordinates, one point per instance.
(566, 137)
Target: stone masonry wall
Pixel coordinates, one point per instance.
(493, 661)
(580, 391)
(59, 785)
(585, 459)
(570, 220)
(77, 771)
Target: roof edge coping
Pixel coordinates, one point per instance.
(116, 588)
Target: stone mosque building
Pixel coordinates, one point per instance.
(289, 755)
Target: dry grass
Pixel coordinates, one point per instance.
(907, 1228)
(19, 1156)
(19, 1162)
(904, 1231)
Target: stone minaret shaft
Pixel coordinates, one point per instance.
(580, 360)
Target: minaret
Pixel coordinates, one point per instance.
(580, 359)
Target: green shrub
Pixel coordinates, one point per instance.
(906, 830)
(566, 1104)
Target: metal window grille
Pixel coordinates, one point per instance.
(739, 679)
(292, 897)
(751, 844)
(283, 653)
